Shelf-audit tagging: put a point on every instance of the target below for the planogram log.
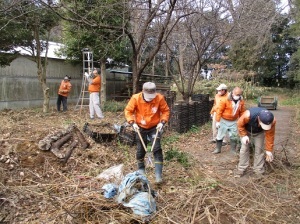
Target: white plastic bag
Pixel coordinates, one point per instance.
(114, 174)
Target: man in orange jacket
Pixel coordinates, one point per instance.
(221, 95)
(94, 89)
(227, 115)
(258, 125)
(148, 111)
(63, 92)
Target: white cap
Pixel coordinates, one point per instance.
(221, 87)
(149, 90)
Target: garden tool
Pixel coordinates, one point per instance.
(149, 160)
(148, 152)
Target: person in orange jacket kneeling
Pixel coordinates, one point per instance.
(148, 112)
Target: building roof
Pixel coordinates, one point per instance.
(53, 49)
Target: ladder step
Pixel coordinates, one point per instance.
(87, 66)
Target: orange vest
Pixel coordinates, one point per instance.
(95, 86)
(147, 114)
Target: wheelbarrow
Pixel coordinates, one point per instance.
(268, 102)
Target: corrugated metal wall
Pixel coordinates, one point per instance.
(20, 86)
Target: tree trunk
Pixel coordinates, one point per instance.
(46, 101)
(41, 68)
(167, 62)
(185, 97)
(153, 66)
(135, 77)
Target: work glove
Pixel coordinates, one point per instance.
(217, 124)
(88, 77)
(245, 140)
(160, 126)
(135, 127)
(211, 116)
(269, 156)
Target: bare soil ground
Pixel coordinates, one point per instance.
(35, 187)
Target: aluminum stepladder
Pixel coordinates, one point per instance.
(88, 66)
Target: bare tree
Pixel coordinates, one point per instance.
(35, 24)
(252, 22)
(141, 21)
(195, 40)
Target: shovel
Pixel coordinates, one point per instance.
(149, 153)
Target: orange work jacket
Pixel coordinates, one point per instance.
(64, 88)
(217, 100)
(147, 114)
(226, 109)
(95, 85)
(269, 135)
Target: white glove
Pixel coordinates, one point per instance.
(89, 79)
(211, 116)
(269, 156)
(217, 124)
(159, 126)
(135, 127)
(245, 140)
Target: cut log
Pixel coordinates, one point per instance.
(46, 143)
(70, 151)
(60, 142)
(83, 142)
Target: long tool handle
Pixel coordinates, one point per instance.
(154, 140)
(143, 143)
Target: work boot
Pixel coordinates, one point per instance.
(219, 146)
(158, 172)
(238, 173)
(141, 167)
(233, 146)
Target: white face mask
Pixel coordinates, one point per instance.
(148, 99)
(236, 97)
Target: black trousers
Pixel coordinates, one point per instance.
(62, 100)
(148, 136)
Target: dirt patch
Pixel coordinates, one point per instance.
(37, 188)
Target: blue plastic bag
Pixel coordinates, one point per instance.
(110, 190)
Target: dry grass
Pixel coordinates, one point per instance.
(37, 188)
